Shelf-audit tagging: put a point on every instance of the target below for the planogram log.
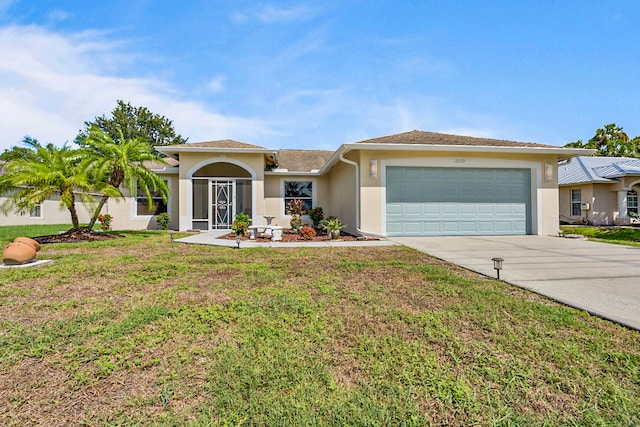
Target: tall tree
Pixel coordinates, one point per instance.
(121, 164)
(129, 122)
(43, 172)
(611, 140)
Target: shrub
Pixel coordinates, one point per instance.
(307, 232)
(243, 217)
(240, 227)
(163, 219)
(105, 221)
(317, 215)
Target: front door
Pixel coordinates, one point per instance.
(221, 204)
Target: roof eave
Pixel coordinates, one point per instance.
(289, 173)
(174, 150)
(564, 151)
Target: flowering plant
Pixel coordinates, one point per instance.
(105, 221)
(307, 232)
(240, 227)
(295, 208)
(317, 215)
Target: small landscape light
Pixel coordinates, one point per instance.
(172, 236)
(238, 241)
(497, 264)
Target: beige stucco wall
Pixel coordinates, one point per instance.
(544, 194)
(125, 213)
(51, 213)
(602, 199)
(342, 179)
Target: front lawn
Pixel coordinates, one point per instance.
(619, 235)
(140, 331)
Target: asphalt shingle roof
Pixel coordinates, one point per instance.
(434, 138)
(303, 160)
(223, 143)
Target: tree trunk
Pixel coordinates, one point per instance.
(96, 212)
(74, 217)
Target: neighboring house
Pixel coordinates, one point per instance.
(130, 213)
(600, 190)
(414, 183)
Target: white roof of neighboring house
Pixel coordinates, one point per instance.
(585, 169)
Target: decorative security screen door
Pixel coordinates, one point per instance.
(221, 204)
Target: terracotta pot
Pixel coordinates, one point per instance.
(18, 253)
(28, 241)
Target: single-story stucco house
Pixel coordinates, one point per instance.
(600, 190)
(409, 184)
(414, 183)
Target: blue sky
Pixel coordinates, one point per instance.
(318, 74)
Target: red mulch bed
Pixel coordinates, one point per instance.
(292, 236)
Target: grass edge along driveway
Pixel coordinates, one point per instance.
(139, 331)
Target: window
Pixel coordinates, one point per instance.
(632, 202)
(36, 212)
(158, 206)
(302, 190)
(576, 200)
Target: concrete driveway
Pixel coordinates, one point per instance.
(600, 278)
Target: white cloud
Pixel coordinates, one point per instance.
(216, 84)
(53, 83)
(270, 14)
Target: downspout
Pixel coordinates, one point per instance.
(355, 164)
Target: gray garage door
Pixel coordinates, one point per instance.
(457, 201)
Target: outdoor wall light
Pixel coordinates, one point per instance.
(497, 264)
(548, 172)
(373, 169)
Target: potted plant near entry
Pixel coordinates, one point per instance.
(333, 226)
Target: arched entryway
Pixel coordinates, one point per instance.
(220, 190)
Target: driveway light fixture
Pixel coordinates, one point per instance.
(238, 241)
(497, 264)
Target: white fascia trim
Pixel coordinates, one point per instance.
(568, 152)
(166, 171)
(218, 150)
(291, 173)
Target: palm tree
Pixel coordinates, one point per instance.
(43, 172)
(121, 165)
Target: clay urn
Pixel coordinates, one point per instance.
(18, 253)
(29, 241)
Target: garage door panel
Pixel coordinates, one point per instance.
(449, 201)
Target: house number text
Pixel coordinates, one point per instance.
(459, 161)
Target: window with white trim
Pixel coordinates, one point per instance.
(36, 211)
(576, 201)
(302, 190)
(158, 205)
(632, 202)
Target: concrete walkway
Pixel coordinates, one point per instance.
(603, 279)
(213, 238)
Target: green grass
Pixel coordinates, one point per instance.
(139, 331)
(618, 235)
(8, 233)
